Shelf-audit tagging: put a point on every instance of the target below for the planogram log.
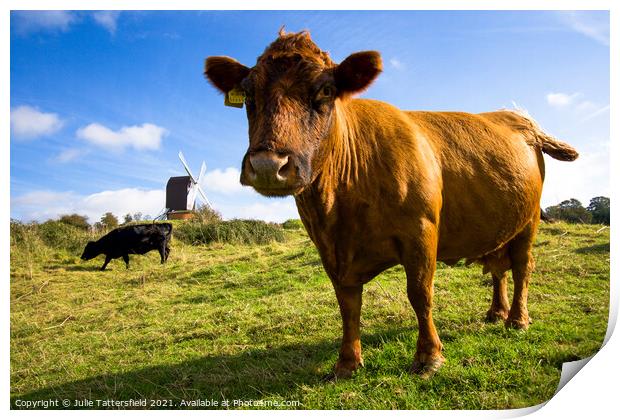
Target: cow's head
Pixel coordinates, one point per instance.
(90, 251)
(290, 97)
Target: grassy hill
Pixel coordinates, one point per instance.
(260, 322)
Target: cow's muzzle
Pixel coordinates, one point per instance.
(271, 173)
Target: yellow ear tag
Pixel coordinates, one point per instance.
(235, 97)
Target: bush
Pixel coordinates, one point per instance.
(205, 214)
(293, 224)
(75, 220)
(233, 231)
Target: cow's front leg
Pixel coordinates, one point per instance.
(105, 263)
(126, 259)
(420, 269)
(350, 357)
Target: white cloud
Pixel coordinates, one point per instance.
(594, 25)
(270, 210)
(144, 137)
(43, 205)
(224, 181)
(107, 19)
(28, 122)
(235, 201)
(561, 99)
(583, 179)
(43, 20)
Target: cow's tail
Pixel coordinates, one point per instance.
(557, 149)
(548, 144)
(169, 232)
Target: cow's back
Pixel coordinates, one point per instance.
(491, 179)
(135, 239)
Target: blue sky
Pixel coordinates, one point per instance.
(101, 102)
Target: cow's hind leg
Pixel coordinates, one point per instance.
(520, 252)
(350, 357)
(126, 259)
(498, 264)
(499, 304)
(163, 255)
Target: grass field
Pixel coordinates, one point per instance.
(260, 322)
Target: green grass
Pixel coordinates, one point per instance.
(261, 322)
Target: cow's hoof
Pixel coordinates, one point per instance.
(518, 323)
(495, 315)
(426, 369)
(343, 370)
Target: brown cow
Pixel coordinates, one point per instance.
(376, 186)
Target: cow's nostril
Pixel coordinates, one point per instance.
(284, 169)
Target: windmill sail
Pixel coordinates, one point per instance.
(194, 187)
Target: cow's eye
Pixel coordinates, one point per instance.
(325, 92)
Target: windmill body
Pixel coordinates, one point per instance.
(182, 191)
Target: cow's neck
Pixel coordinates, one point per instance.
(342, 158)
(343, 171)
(343, 162)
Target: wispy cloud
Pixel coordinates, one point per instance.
(581, 107)
(140, 137)
(107, 19)
(30, 21)
(396, 63)
(600, 111)
(29, 123)
(593, 24)
(68, 155)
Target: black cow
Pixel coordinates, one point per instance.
(133, 239)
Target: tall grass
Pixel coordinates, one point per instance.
(31, 239)
(232, 231)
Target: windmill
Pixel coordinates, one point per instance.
(181, 192)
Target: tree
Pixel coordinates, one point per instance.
(570, 211)
(599, 209)
(109, 221)
(128, 218)
(137, 216)
(76, 220)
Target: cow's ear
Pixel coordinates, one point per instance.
(225, 73)
(357, 72)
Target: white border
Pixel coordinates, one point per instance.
(591, 394)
